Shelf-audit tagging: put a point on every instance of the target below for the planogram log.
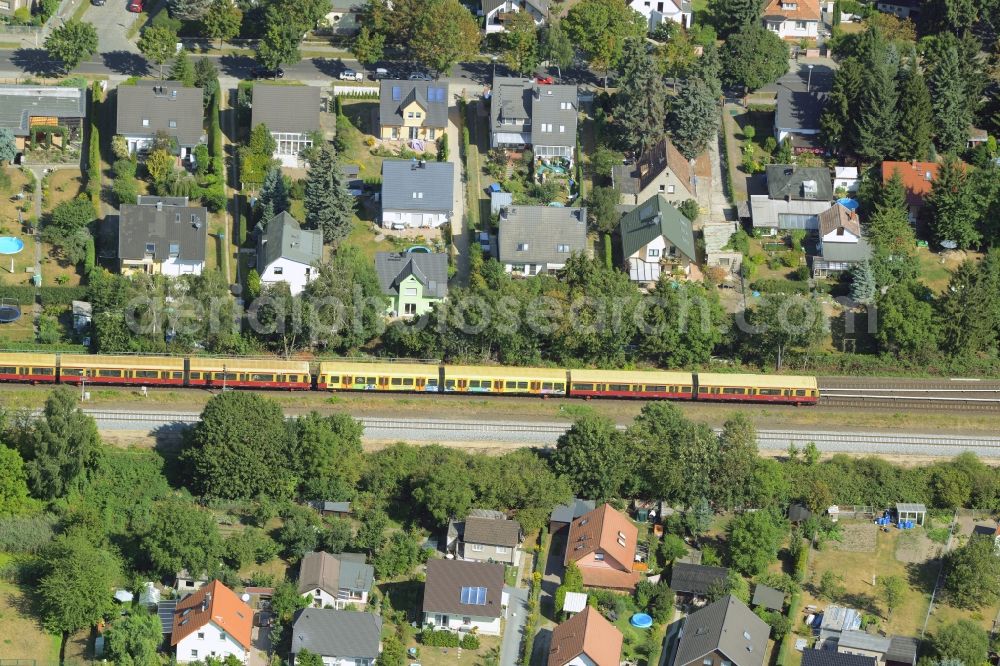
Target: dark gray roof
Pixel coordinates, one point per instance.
(801, 99)
(556, 106)
(492, 532)
(540, 230)
(510, 103)
(394, 95)
(446, 578)
(902, 649)
(330, 573)
(788, 181)
(20, 103)
(430, 269)
(811, 657)
(161, 103)
(727, 626)
(173, 230)
(286, 238)
(695, 578)
(337, 633)
(656, 217)
(286, 108)
(847, 251)
(152, 200)
(768, 597)
(567, 513)
(411, 185)
(858, 639)
(165, 611)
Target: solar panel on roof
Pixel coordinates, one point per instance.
(475, 596)
(165, 611)
(395, 93)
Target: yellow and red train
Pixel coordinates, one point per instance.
(204, 372)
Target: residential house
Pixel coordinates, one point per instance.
(801, 97)
(413, 281)
(345, 16)
(846, 178)
(527, 114)
(497, 12)
(918, 179)
(813, 657)
(291, 115)
(656, 236)
(464, 596)
(657, 11)
(539, 239)
(659, 170)
(336, 509)
(885, 650)
(415, 110)
(793, 19)
(696, 580)
(150, 109)
(977, 137)
(187, 583)
(162, 235)
(904, 9)
(341, 638)
(25, 110)
(564, 514)
(768, 597)
(602, 544)
(586, 639)
(417, 194)
(335, 580)
(288, 253)
(795, 198)
(723, 633)
(841, 244)
(212, 622)
(487, 539)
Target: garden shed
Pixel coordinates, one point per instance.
(915, 512)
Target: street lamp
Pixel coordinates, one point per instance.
(810, 79)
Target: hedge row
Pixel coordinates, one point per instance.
(774, 286)
(94, 151)
(534, 599)
(25, 294)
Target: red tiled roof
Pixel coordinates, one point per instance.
(586, 633)
(917, 178)
(213, 603)
(805, 10)
(604, 529)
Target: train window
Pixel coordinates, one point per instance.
(511, 385)
(474, 383)
(522, 385)
(546, 386)
(195, 375)
(618, 387)
(407, 381)
(43, 371)
(734, 391)
(800, 392)
(293, 378)
(715, 390)
(559, 386)
(583, 387)
(396, 381)
(360, 381)
(766, 391)
(702, 389)
(261, 378)
(109, 373)
(282, 378)
(244, 376)
(228, 376)
(8, 370)
(371, 380)
(656, 388)
(487, 384)
(685, 389)
(147, 374)
(432, 382)
(177, 375)
(449, 383)
(72, 372)
(334, 379)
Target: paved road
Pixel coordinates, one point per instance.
(517, 615)
(112, 21)
(545, 434)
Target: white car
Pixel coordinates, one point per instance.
(351, 75)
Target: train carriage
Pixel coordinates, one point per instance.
(249, 373)
(757, 388)
(34, 368)
(504, 381)
(631, 384)
(347, 376)
(144, 370)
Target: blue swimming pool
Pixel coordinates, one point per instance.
(10, 245)
(641, 621)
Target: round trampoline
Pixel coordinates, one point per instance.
(641, 621)
(418, 249)
(9, 312)
(10, 245)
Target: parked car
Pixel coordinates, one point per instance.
(544, 79)
(97, 3)
(351, 75)
(380, 73)
(261, 72)
(420, 76)
(135, 6)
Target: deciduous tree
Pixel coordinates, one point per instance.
(133, 639)
(222, 21)
(600, 29)
(754, 57)
(74, 590)
(182, 536)
(61, 447)
(159, 44)
(279, 46)
(734, 476)
(520, 40)
(907, 324)
(964, 641)
(444, 32)
(781, 321)
(972, 574)
(683, 324)
(72, 43)
(368, 46)
(753, 541)
(555, 46)
(891, 590)
(594, 456)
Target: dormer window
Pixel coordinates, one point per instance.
(599, 557)
(172, 124)
(521, 247)
(789, 6)
(150, 248)
(145, 122)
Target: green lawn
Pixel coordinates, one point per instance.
(936, 270)
(360, 112)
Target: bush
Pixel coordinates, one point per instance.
(441, 638)
(62, 295)
(442, 146)
(779, 286)
(125, 190)
(801, 273)
(124, 168)
(91, 259)
(469, 642)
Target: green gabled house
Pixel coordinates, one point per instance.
(655, 236)
(413, 282)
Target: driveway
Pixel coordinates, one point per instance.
(459, 233)
(517, 615)
(112, 22)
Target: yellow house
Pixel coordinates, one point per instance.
(412, 110)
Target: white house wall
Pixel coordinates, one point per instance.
(297, 275)
(215, 642)
(174, 267)
(790, 29)
(483, 625)
(412, 219)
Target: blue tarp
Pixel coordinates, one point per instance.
(849, 204)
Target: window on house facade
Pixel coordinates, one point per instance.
(599, 557)
(562, 248)
(172, 124)
(410, 308)
(800, 25)
(194, 653)
(201, 635)
(503, 550)
(653, 252)
(521, 247)
(145, 122)
(670, 189)
(278, 270)
(477, 547)
(410, 291)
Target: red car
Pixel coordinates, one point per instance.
(135, 6)
(544, 79)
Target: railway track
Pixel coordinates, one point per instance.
(967, 395)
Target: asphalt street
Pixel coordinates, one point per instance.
(517, 615)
